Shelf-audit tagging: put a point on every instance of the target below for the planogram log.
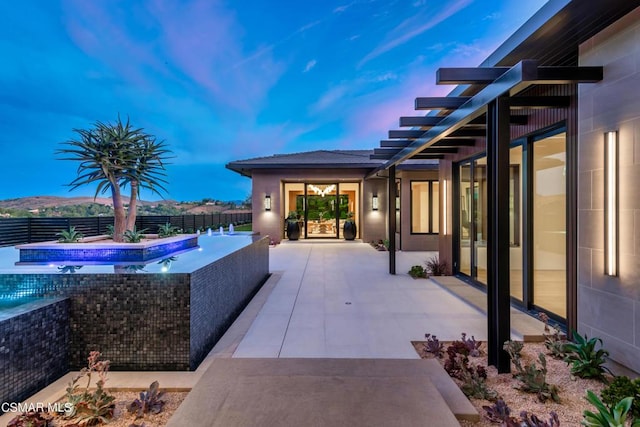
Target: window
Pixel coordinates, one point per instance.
(425, 205)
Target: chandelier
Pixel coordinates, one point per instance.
(322, 191)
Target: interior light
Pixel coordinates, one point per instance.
(374, 202)
(267, 203)
(611, 202)
(444, 206)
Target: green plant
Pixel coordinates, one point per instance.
(386, 243)
(417, 271)
(622, 387)
(150, 401)
(350, 216)
(134, 236)
(554, 341)
(474, 381)
(606, 416)
(433, 346)
(293, 216)
(70, 235)
(167, 230)
(31, 419)
(436, 267)
(110, 231)
(585, 360)
(532, 379)
(500, 413)
(90, 408)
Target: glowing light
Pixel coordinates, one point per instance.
(444, 206)
(322, 191)
(267, 203)
(611, 203)
(374, 203)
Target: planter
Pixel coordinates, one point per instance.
(350, 230)
(293, 230)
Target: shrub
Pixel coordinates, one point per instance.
(417, 271)
(585, 360)
(606, 416)
(90, 408)
(532, 379)
(150, 401)
(134, 236)
(70, 235)
(620, 388)
(433, 346)
(167, 230)
(436, 267)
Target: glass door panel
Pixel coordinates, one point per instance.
(322, 211)
(480, 218)
(515, 222)
(348, 203)
(465, 218)
(549, 224)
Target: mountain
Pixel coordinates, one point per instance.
(40, 202)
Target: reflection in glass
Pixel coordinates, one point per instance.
(515, 221)
(480, 205)
(549, 223)
(465, 218)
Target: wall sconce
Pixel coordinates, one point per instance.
(444, 207)
(611, 203)
(374, 202)
(267, 203)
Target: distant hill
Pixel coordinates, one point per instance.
(88, 206)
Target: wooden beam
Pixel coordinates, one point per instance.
(462, 76)
(395, 143)
(406, 133)
(440, 102)
(469, 133)
(539, 102)
(423, 121)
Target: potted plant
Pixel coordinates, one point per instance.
(350, 228)
(292, 226)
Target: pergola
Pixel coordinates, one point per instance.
(456, 122)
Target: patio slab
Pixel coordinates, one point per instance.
(314, 392)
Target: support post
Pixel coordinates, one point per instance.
(392, 219)
(498, 295)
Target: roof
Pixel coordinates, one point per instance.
(322, 159)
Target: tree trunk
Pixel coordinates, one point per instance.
(120, 218)
(133, 206)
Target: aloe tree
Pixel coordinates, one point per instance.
(114, 156)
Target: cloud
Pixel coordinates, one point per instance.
(341, 9)
(400, 35)
(492, 16)
(310, 66)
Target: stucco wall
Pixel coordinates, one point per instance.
(408, 241)
(609, 307)
(371, 226)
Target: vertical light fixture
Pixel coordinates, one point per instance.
(397, 203)
(374, 202)
(267, 203)
(611, 203)
(444, 206)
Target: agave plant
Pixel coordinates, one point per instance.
(134, 236)
(167, 230)
(70, 235)
(585, 360)
(606, 416)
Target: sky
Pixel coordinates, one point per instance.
(220, 81)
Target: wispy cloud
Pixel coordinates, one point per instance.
(400, 34)
(492, 16)
(310, 66)
(341, 9)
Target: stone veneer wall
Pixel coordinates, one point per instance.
(33, 347)
(220, 291)
(143, 321)
(609, 307)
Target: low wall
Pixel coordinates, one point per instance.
(151, 321)
(34, 342)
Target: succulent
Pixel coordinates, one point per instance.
(70, 235)
(585, 360)
(150, 401)
(167, 230)
(607, 416)
(134, 236)
(434, 346)
(31, 419)
(498, 413)
(473, 345)
(417, 271)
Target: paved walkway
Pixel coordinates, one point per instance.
(338, 300)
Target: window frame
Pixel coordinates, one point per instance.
(430, 206)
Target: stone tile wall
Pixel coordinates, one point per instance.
(34, 344)
(609, 307)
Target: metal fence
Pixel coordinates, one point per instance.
(16, 231)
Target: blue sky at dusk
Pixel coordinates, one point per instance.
(223, 81)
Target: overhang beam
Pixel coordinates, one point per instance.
(465, 76)
(440, 102)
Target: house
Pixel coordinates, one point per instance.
(538, 153)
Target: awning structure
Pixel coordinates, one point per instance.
(457, 122)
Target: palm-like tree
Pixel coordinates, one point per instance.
(113, 156)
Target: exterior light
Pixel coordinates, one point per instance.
(611, 203)
(267, 203)
(374, 202)
(397, 203)
(444, 206)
